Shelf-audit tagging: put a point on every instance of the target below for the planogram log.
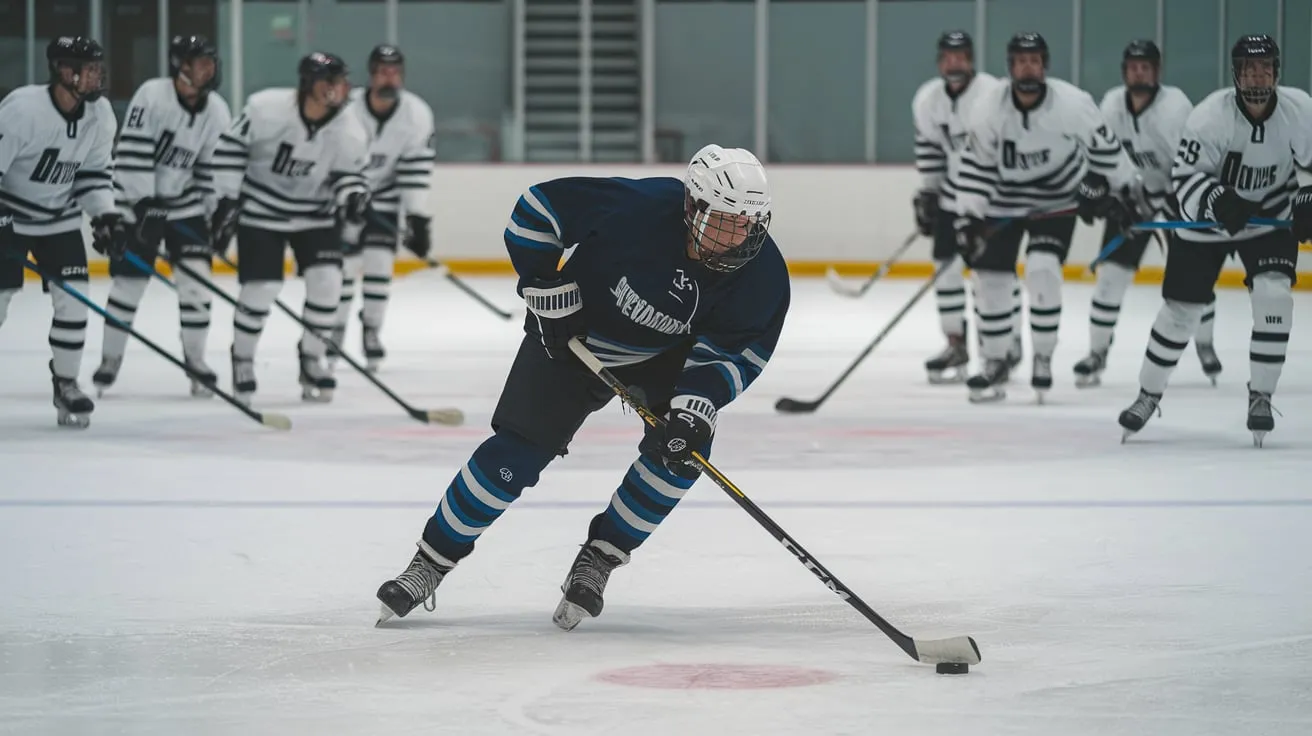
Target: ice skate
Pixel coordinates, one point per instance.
(74, 407)
(949, 366)
(243, 379)
(1211, 363)
(586, 582)
(1015, 354)
(106, 374)
(317, 383)
(204, 380)
(1088, 372)
(334, 341)
(416, 585)
(1260, 415)
(373, 348)
(1041, 376)
(988, 385)
(1137, 415)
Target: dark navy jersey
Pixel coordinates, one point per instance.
(626, 247)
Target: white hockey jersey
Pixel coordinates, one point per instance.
(1150, 138)
(940, 121)
(290, 175)
(1021, 162)
(1222, 147)
(401, 155)
(166, 151)
(54, 167)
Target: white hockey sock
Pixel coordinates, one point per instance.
(323, 289)
(1207, 326)
(1043, 281)
(377, 285)
(5, 296)
(352, 268)
(124, 298)
(993, 309)
(1018, 308)
(950, 295)
(254, 301)
(1175, 324)
(1273, 317)
(1108, 293)
(193, 307)
(68, 331)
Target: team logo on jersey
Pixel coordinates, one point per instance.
(50, 170)
(174, 157)
(1241, 176)
(1143, 159)
(1013, 159)
(643, 313)
(376, 161)
(957, 141)
(288, 165)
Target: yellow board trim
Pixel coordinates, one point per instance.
(804, 269)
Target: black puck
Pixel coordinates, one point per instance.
(952, 668)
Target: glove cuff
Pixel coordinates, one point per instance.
(697, 406)
(553, 300)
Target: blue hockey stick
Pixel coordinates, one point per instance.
(1119, 240)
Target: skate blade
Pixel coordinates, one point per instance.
(201, 391)
(242, 398)
(987, 396)
(946, 379)
(316, 396)
(1089, 381)
(74, 421)
(1040, 395)
(1259, 436)
(373, 364)
(1127, 434)
(1212, 377)
(568, 615)
(385, 614)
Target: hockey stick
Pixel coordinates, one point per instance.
(958, 649)
(798, 406)
(268, 419)
(840, 286)
(452, 416)
(1119, 240)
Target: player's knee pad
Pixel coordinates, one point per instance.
(509, 462)
(1273, 303)
(68, 311)
(1113, 280)
(190, 290)
(1042, 274)
(258, 296)
(953, 275)
(1178, 320)
(352, 267)
(125, 292)
(378, 261)
(323, 286)
(994, 291)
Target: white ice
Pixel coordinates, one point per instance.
(178, 569)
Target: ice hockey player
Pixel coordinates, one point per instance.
(1148, 117)
(297, 165)
(400, 128)
(1037, 145)
(678, 286)
(1236, 160)
(163, 178)
(56, 163)
(940, 110)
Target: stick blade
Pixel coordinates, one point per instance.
(449, 417)
(794, 406)
(276, 421)
(958, 649)
(840, 286)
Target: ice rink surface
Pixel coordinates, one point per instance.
(178, 569)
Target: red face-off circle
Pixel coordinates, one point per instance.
(715, 676)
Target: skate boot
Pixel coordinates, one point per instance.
(1260, 419)
(1088, 372)
(373, 348)
(586, 582)
(416, 585)
(74, 406)
(949, 366)
(988, 384)
(1211, 363)
(1137, 415)
(106, 374)
(204, 380)
(334, 341)
(1016, 353)
(243, 379)
(317, 383)
(1041, 376)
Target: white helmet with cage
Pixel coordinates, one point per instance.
(727, 206)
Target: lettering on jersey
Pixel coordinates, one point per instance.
(376, 161)
(955, 142)
(176, 157)
(288, 165)
(136, 118)
(50, 170)
(643, 313)
(1188, 151)
(1242, 177)
(1013, 159)
(1143, 159)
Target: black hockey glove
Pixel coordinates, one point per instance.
(418, 237)
(152, 217)
(355, 208)
(109, 235)
(223, 224)
(972, 238)
(1093, 198)
(1302, 228)
(555, 314)
(689, 426)
(1232, 211)
(9, 247)
(926, 205)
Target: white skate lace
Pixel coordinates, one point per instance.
(1042, 365)
(420, 580)
(370, 339)
(593, 571)
(1259, 405)
(1093, 361)
(1144, 406)
(70, 392)
(243, 371)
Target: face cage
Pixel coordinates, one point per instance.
(1255, 95)
(79, 67)
(215, 80)
(1027, 85)
(727, 259)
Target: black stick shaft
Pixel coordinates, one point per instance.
(460, 284)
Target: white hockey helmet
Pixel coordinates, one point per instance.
(727, 206)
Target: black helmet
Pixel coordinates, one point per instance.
(74, 52)
(183, 49)
(1027, 42)
(318, 65)
(1142, 50)
(1247, 48)
(956, 41)
(385, 54)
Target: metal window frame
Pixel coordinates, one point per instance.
(1221, 45)
(1077, 41)
(518, 77)
(647, 80)
(30, 22)
(235, 28)
(1160, 35)
(761, 130)
(162, 48)
(585, 81)
(872, 80)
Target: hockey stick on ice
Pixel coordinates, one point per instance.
(268, 419)
(845, 288)
(958, 649)
(449, 416)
